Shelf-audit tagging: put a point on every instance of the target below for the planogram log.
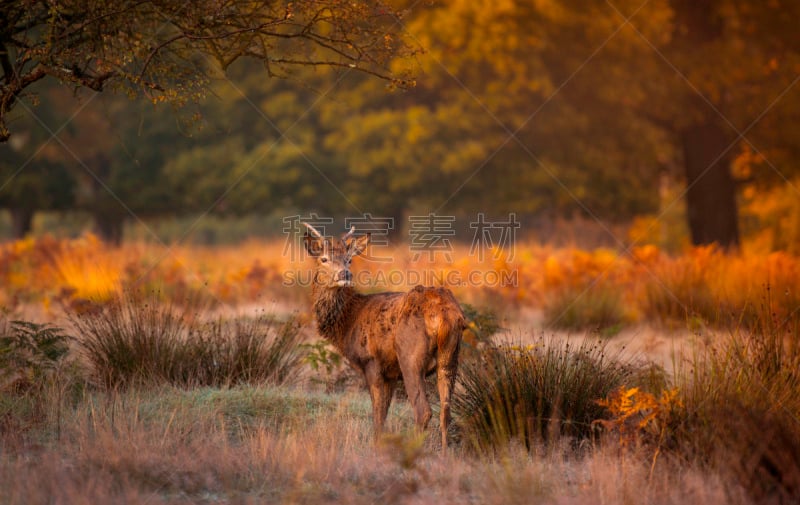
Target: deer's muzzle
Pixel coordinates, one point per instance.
(344, 278)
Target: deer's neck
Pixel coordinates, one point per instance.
(334, 309)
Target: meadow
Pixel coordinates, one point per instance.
(145, 374)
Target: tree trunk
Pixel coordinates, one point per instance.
(109, 227)
(21, 221)
(711, 193)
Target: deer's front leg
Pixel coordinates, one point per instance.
(380, 390)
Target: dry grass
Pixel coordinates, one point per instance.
(138, 340)
(249, 445)
(540, 392)
(66, 442)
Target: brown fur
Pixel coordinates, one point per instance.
(387, 336)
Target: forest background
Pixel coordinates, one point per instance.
(661, 122)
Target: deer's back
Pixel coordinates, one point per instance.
(423, 317)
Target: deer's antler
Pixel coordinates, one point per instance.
(349, 233)
(313, 231)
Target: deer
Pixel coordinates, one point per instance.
(387, 336)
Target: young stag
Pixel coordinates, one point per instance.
(386, 336)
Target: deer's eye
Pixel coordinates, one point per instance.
(323, 260)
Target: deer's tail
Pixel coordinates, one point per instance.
(450, 321)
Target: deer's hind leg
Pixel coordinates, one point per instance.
(380, 391)
(447, 366)
(413, 357)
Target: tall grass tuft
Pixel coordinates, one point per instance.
(742, 409)
(134, 342)
(535, 393)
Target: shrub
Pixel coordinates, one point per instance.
(129, 341)
(481, 322)
(327, 365)
(533, 393)
(596, 307)
(758, 447)
(37, 381)
(482, 325)
(250, 350)
(679, 290)
(28, 352)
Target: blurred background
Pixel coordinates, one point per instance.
(666, 122)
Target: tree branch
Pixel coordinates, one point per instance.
(93, 82)
(329, 63)
(5, 64)
(184, 34)
(132, 41)
(89, 22)
(9, 93)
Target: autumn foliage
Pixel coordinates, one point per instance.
(574, 289)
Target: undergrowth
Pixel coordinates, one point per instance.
(29, 352)
(538, 392)
(741, 409)
(133, 342)
(597, 307)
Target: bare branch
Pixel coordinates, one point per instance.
(331, 63)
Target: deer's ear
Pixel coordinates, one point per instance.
(314, 245)
(358, 245)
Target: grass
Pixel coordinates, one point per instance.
(741, 410)
(595, 308)
(539, 392)
(279, 445)
(256, 444)
(130, 341)
(168, 445)
(157, 401)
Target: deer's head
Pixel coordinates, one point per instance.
(333, 256)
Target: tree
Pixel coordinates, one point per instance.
(603, 96)
(167, 50)
(705, 79)
(266, 162)
(493, 69)
(33, 172)
(43, 185)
